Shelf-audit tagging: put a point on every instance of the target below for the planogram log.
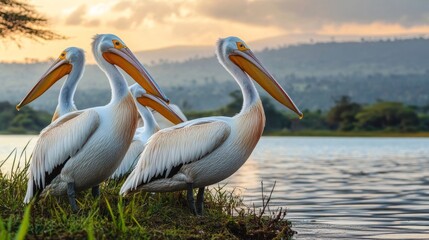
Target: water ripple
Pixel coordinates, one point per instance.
(367, 188)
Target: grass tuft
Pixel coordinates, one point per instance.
(139, 216)
(23, 227)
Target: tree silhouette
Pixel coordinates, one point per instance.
(19, 19)
(343, 115)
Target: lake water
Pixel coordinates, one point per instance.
(333, 188)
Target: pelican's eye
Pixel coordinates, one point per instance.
(118, 44)
(241, 46)
(63, 55)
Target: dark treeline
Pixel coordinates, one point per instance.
(345, 115)
(27, 120)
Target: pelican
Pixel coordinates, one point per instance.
(150, 126)
(204, 151)
(75, 57)
(73, 61)
(83, 148)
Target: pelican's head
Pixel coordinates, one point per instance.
(69, 58)
(156, 103)
(136, 90)
(113, 50)
(235, 50)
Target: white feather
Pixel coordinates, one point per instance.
(171, 147)
(130, 159)
(58, 142)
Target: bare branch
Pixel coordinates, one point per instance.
(19, 19)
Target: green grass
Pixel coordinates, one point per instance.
(24, 132)
(327, 133)
(142, 215)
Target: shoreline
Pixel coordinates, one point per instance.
(312, 133)
(323, 133)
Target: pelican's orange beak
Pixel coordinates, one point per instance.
(248, 62)
(126, 60)
(160, 106)
(59, 69)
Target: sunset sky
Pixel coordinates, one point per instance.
(152, 24)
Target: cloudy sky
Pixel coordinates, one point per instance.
(152, 24)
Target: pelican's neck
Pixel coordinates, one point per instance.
(117, 81)
(66, 97)
(150, 125)
(250, 94)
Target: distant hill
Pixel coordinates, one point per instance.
(181, 53)
(174, 54)
(314, 74)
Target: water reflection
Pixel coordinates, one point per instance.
(13, 146)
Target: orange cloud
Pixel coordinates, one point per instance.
(374, 29)
(152, 24)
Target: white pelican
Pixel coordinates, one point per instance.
(204, 151)
(150, 126)
(72, 61)
(83, 148)
(75, 57)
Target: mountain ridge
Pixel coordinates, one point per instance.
(185, 52)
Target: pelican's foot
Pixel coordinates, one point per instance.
(200, 201)
(95, 191)
(71, 193)
(190, 198)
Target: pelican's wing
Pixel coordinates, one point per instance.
(130, 159)
(175, 146)
(56, 144)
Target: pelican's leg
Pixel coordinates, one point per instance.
(95, 191)
(200, 201)
(190, 197)
(71, 193)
